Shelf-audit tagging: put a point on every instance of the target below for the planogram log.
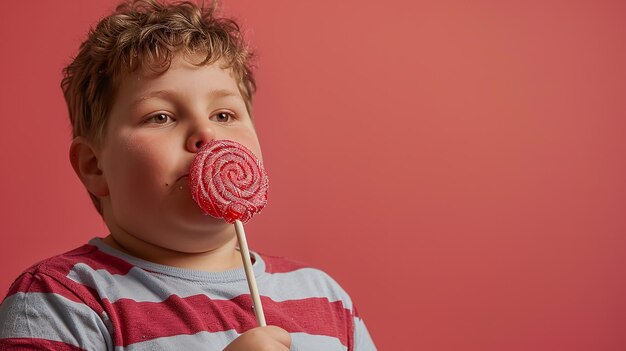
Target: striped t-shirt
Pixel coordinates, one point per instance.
(98, 298)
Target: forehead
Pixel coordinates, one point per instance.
(183, 72)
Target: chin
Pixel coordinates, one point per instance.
(196, 222)
(198, 240)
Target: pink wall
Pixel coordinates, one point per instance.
(457, 165)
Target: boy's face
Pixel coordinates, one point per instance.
(156, 125)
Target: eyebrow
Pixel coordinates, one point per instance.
(215, 94)
(218, 93)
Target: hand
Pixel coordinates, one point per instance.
(269, 338)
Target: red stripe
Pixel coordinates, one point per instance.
(24, 344)
(355, 311)
(281, 265)
(141, 321)
(50, 275)
(87, 254)
(96, 259)
(351, 332)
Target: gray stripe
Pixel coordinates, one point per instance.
(308, 342)
(219, 340)
(199, 341)
(53, 317)
(140, 285)
(303, 283)
(362, 339)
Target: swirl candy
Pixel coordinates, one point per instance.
(227, 181)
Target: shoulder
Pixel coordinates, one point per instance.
(60, 274)
(300, 289)
(308, 280)
(277, 264)
(44, 303)
(86, 255)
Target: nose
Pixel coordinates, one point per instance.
(199, 137)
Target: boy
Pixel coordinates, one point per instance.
(150, 86)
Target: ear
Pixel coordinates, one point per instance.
(84, 159)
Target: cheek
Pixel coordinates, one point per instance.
(138, 165)
(257, 152)
(251, 141)
(253, 145)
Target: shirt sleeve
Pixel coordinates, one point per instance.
(41, 313)
(362, 339)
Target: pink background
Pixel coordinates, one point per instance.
(457, 165)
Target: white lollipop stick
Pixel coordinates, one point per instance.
(247, 266)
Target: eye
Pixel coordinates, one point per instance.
(159, 118)
(223, 117)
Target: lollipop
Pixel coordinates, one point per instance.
(227, 181)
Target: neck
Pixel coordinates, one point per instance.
(220, 258)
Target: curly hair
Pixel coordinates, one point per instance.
(147, 34)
